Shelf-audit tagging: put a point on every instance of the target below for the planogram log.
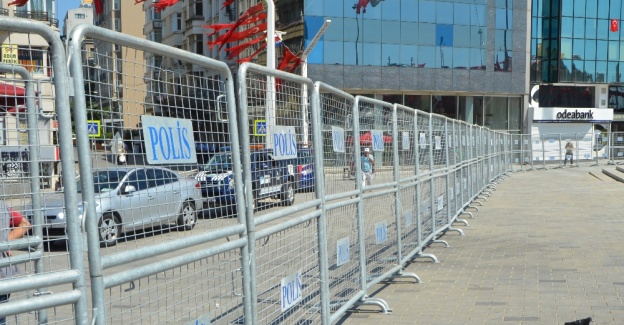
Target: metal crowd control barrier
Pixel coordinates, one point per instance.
(148, 250)
(55, 280)
(617, 147)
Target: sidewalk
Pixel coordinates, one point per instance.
(546, 248)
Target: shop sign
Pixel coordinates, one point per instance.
(572, 115)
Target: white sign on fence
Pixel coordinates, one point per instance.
(381, 232)
(342, 251)
(284, 142)
(338, 139)
(168, 140)
(377, 140)
(408, 218)
(291, 292)
(406, 140)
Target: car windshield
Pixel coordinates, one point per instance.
(105, 181)
(219, 163)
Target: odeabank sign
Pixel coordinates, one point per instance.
(572, 115)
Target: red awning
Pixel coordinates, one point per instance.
(367, 139)
(12, 98)
(10, 90)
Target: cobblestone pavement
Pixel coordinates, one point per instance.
(545, 248)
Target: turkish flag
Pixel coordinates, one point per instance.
(615, 24)
(227, 3)
(98, 6)
(162, 4)
(252, 11)
(361, 6)
(236, 50)
(247, 59)
(19, 3)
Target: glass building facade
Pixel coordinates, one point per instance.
(464, 59)
(579, 42)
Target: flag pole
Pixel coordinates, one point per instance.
(270, 63)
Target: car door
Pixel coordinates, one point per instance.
(262, 174)
(135, 207)
(164, 186)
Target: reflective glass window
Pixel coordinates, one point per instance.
(444, 35)
(461, 14)
(621, 51)
(477, 15)
(444, 105)
(409, 10)
(496, 113)
(578, 49)
(601, 71)
(613, 72)
(313, 7)
(426, 12)
(409, 33)
(566, 27)
(566, 48)
(603, 9)
(477, 59)
(461, 58)
(370, 31)
(335, 30)
(565, 71)
(579, 8)
(578, 71)
(391, 32)
(352, 56)
(478, 36)
(590, 69)
(333, 53)
(591, 8)
(590, 28)
(579, 28)
(444, 12)
(461, 36)
(601, 50)
(503, 19)
(470, 109)
(409, 55)
(371, 54)
(332, 8)
(515, 113)
(614, 9)
(504, 4)
(421, 102)
(426, 56)
(390, 55)
(390, 10)
(614, 51)
(426, 34)
(502, 51)
(590, 49)
(351, 29)
(567, 10)
(604, 29)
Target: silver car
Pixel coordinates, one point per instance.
(129, 199)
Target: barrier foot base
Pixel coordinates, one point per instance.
(402, 275)
(433, 258)
(477, 202)
(440, 241)
(469, 213)
(385, 309)
(482, 198)
(463, 221)
(461, 232)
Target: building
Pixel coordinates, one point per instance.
(74, 17)
(31, 52)
(118, 87)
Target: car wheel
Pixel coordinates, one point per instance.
(188, 216)
(288, 194)
(110, 230)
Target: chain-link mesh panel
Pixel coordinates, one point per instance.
(287, 272)
(439, 138)
(375, 125)
(344, 250)
(423, 141)
(380, 235)
(440, 205)
(409, 219)
(208, 289)
(338, 150)
(406, 138)
(617, 147)
(425, 209)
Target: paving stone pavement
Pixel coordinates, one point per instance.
(545, 248)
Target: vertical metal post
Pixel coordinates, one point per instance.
(319, 188)
(419, 181)
(397, 180)
(432, 183)
(358, 186)
(448, 173)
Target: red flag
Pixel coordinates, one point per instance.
(247, 33)
(615, 25)
(136, 2)
(361, 5)
(18, 3)
(295, 65)
(227, 3)
(288, 56)
(218, 27)
(98, 6)
(236, 50)
(252, 11)
(162, 4)
(247, 59)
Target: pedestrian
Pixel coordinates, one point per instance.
(368, 167)
(569, 154)
(12, 226)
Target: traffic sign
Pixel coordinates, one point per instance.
(260, 128)
(94, 128)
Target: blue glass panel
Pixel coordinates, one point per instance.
(579, 28)
(371, 54)
(370, 30)
(461, 58)
(313, 7)
(312, 24)
(590, 28)
(409, 33)
(477, 15)
(351, 54)
(477, 59)
(621, 51)
(613, 72)
(566, 48)
(461, 36)
(426, 34)
(579, 74)
(579, 8)
(614, 51)
(478, 36)
(503, 19)
(391, 32)
(427, 56)
(390, 10)
(444, 35)
(335, 30)
(591, 9)
(601, 50)
(461, 14)
(444, 13)
(567, 25)
(504, 4)
(565, 70)
(426, 12)
(590, 69)
(590, 50)
(333, 8)
(333, 53)
(614, 10)
(603, 9)
(445, 57)
(351, 28)
(567, 9)
(409, 55)
(601, 71)
(578, 49)
(390, 54)
(409, 10)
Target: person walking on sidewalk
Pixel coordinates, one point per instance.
(569, 154)
(368, 167)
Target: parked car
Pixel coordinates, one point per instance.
(129, 199)
(305, 169)
(271, 179)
